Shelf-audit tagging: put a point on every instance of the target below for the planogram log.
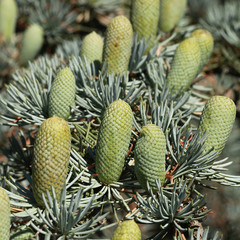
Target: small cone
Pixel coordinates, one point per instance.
(4, 215)
(128, 230)
(217, 120)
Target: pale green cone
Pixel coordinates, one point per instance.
(113, 141)
(171, 12)
(145, 17)
(92, 47)
(217, 120)
(51, 158)
(206, 43)
(118, 44)
(62, 94)
(128, 230)
(4, 215)
(32, 43)
(185, 65)
(8, 18)
(149, 156)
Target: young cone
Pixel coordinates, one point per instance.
(149, 156)
(92, 47)
(171, 11)
(128, 230)
(62, 94)
(185, 65)
(5, 215)
(118, 44)
(217, 120)
(113, 141)
(8, 18)
(206, 42)
(145, 17)
(32, 43)
(51, 157)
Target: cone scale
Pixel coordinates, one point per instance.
(5, 215)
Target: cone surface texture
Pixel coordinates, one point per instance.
(118, 44)
(145, 17)
(217, 120)
(128, 230)
(32, 43)
(206, 44)
(185, 65)
(62, 94)
(113, 141)
(8, 18)
(51, 157)
(92, 47)
(4, 215)
(149, 156)
(171, 11)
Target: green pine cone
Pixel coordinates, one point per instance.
(4, 215)
(8, 18)
(185, 65)
(32, 43)
(217, 120)
(171, 12)
(51, 157)
(149, 156)
(113, 141)
(25, 234)
(62, 94)
(128, 230)
(92, 47)
(206, 42)
(145, 17)
(118, 44)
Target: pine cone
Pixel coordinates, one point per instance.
(185, 65)
(145, 17)
(118, 44)
(62, 94)
(32, 43)
(5, 215)
(217, 120)
(206, 42)
(149, 156)
(92, 47)
(113, 141)
(51, 157)
(8, 18)
(128, 230)
(171, 11)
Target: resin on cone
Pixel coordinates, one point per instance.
(51, 158)
(145, 17)
(217, 121)
(92, 47)
(206, 43)
(185, 65)
(62, 94)
(171, 12)
(128, 230)
(118, 45)
(149, 156)
(113, 141)
(4, 215)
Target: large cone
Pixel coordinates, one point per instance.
(4, 215)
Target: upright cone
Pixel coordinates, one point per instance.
(145, 17)
(118, 44)
(149, 156)
(185, 65)
(217, 120)
(128, 230)
(62, 94)
(113, 141)
(5, 215)
(51, 157)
